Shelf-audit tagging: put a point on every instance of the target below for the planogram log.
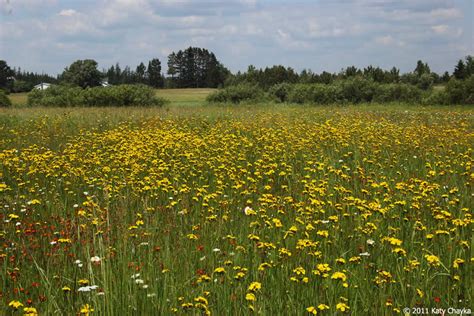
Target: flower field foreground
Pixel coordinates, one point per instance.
(299, 211)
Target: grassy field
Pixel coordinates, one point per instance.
(231, 211)
(177, 97)
(18, 99)
(184, 97)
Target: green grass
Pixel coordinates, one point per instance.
(161, 192)
(18, 99)
(177, 97)
(184, 97)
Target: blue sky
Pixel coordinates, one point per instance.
(47, 35)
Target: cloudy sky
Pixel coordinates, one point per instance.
(47, 35)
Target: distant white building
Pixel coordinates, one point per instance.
(42, 86)
(105, 83)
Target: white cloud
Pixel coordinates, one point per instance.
(67, 12)
(388, 40)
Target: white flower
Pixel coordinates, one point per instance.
(145, 286)
(324, 221)
(87, 288)
(53, 243)
(364, 254)
(370, 242)
(216, 250)
(95, 259)
(75, 205)
(139, 281)
(248, 211)
(151, 295)
(135, 276)
(202, 258)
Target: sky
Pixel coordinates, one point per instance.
(48, 35)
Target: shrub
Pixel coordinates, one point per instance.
(315, 93)
(4, 100)
(281, 91)
(236, 94)
(425, 82)
(461, 91)
(397, 92)
(437, 98)
(357, 90)
(122, 95)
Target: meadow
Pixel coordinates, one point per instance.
(278, 210)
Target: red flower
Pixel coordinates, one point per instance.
(437, 299)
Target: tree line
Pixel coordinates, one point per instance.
(421, 76)
(196, 67)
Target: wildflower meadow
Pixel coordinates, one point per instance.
(218, 211)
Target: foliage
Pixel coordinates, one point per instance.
(280, 91)
(6, 74)
(195, 68)
(155, 79)
(236, 94)
(122, 95)
(353, 90)
(398, 93)
(82, 73)
(4, 100)
(461, 91)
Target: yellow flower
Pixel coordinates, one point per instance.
(30, 311)
(393, 241)
(342, 307)
(420, 293)
(201, 300)
(432, 260)
(322, 307)
(254, 286)
(250, 297)
(323, 233)
(339, 276)
(400, 251)
(66, 289)
(457, 262)
(341, 260)
(15, 304)
(86, 309)
(312, 310)
(219, 270)
(83, 282)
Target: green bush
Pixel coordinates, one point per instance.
(122, 95)
(316, 93)
(436, 98)
(236, 94)
(280, 91)
(4, 100)
(357, 90)
(461, 91)
(397, 92)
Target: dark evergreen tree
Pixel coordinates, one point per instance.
(155, 78)
(460, 70)
(6, 76)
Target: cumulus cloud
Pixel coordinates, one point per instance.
(67, 12)
(302, 34)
